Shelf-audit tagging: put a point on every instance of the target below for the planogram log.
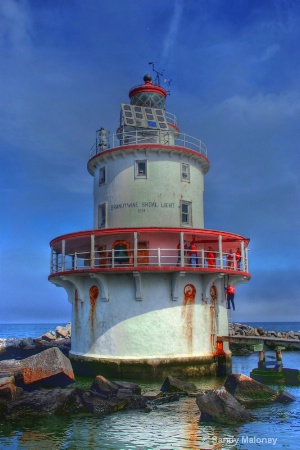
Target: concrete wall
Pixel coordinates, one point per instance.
(156, 326)
(154, 201)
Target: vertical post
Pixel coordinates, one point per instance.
(51, 260)
(220, 251)
(247, 260)
(75, 261)
(92, 250)
(135, 249)
(182, 249)
(158, 256)
(63, 254)
(56, 262)
(113, 257)
(202, 258)
(243, 255)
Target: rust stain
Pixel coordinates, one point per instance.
(76, 318)
(187, 314)
(94, 292)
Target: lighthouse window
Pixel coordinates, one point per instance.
(102, 215)
(127, 107)
(141, 169)
(139, 116)
(128, 114)
(186, 213)
(102, 175)
(185, 172)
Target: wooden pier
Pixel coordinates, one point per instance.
(261, 341)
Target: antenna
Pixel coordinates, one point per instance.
(168, 80)
(158, 74)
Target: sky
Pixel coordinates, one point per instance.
(66, 65)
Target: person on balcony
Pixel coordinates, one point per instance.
(229, 259)
(230, 291)
(193, 254)
(237, 259)
(179, 252)
(211, 257)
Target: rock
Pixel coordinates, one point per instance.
(104, 387)
(247, 391)
(48, 368)
(285, 397)
(46, 401)
(133, 401)
(135, 388)
(166, 398)
(25, 342)
(11, 367)
(172, 384)
(49, 336)
(94, 403)
(64, 332)
(220, 406)
(8, 390)
(260, 331)
(153, 395)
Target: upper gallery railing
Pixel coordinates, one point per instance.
(143, 136)
(157, 257)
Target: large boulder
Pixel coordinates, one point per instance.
(247, 391)
(60, 401)
(220, 406)
(50, 368)
(134, 388)
(104, 387)
(172, 384)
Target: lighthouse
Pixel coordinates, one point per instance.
(147, 282)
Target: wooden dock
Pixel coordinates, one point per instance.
(261, 340)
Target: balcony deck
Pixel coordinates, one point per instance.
(149, 250)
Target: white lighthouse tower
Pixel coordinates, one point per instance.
(147, 282)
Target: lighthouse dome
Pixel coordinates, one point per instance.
(148, 94)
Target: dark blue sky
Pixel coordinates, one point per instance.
(65, 68)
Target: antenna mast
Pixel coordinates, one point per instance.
(158, 74)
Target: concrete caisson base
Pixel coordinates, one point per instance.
(147, 369)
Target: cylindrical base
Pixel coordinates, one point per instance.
(147, 369)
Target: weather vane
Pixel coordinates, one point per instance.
(160, 74)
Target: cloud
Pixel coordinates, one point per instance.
(15, 25)
(170, 39)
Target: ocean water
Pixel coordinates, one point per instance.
(171, 426)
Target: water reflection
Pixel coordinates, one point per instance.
(170, 426)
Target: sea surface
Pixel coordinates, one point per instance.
(170, 426)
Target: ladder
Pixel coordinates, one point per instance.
(229, 319)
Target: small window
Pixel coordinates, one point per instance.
(186, 213)
(185, 172)
(102, 175)
(102, 215)
(141, 169)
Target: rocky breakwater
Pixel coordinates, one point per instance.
(239, 329)
(15, 348)
(234, 402)
(39, 385)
